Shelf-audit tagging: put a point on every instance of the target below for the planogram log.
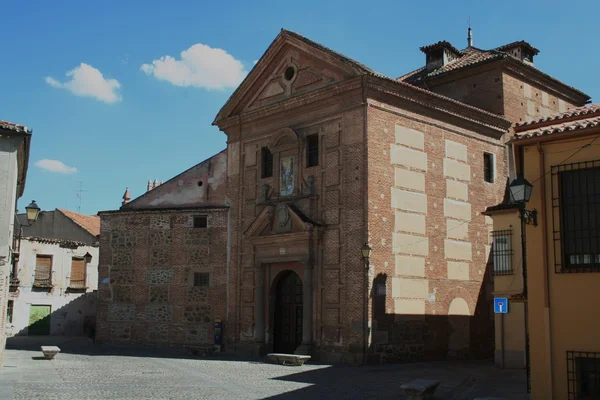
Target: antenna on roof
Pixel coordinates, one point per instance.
(79, 195)
(469, 35)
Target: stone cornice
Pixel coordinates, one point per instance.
(440, 103)
(292, 103)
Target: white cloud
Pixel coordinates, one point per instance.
(55, 166)
(87, 81)
(199, 66)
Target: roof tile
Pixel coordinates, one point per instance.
(11, 126)
(90, 223)
(570, 120)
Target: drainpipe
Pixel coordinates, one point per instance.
(546, 277)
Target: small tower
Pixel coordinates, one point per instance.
(155, 184)
(126, 196)
(470, 38)
(149, 188)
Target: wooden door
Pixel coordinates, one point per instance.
(39, 320)
(288, 314)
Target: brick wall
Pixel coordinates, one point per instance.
(146, 267)
(430, 242)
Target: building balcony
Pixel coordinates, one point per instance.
(42, 282)
(77, 284)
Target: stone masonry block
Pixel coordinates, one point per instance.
(408, 179)
(409, 222)
(406, 157)
(456, 151)
(409, 201)
(409, 137)
(159, 276)
(410, 288)
(121, 312)
(457, 190)
(457, 210)
(410, 244)
(409, 266)
(457, 170)
(458, 270)
(457, 250)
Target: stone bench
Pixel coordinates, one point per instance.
(202, 350)
(420, 389)
(50, 351)
(288, 359)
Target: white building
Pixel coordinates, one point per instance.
(57, 276)
(14, 158)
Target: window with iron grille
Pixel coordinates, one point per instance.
(43, 271)
(266, 160)
(312, 150)
(9, 311)
(502, 252)
(200, 221)
(576, 216)
(77, 273)
(488, 167)
(583, 375)
(201, 279)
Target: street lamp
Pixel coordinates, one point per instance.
(366, 254)
(87, 258)
(32, 212)
(520, 193)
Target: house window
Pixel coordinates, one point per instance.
(43, 271)
(9, 311)
(502, 252)
(200, 221)
(488, 167)
(77, 273)
(583, 375)
(576, 206)
(201, 279)
(312, 150)
(266, 160)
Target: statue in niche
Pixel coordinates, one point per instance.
(286, 176)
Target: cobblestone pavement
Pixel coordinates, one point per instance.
(150, 374)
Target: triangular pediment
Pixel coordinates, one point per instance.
(291, 66)
(277, 219)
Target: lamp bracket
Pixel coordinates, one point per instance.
(529, 216)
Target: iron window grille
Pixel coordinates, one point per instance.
(502, 252)
(312, 150)
(583, 375)
(201, 279)
(266, 160)
(576, 216)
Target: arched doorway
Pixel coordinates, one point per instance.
(287, 332)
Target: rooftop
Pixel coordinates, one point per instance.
(90, 223)
(11, 126)
(571, 120)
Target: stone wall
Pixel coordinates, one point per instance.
(146, 285)
(430, 293)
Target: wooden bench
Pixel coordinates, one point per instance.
(288, 359)
(420, 389)
(50, 351)
(202, 350)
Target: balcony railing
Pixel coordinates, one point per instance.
(77, 284)
(42, 282)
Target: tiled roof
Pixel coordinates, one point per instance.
(440, 45)
(90, 223)
(473, 56)
(571, 120)
(470, 56)
(11, 126)
(61, 242)
(519, 43)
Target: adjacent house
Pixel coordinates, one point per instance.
(344, 219)
(53, 290)
(558, 192)
(14, 158)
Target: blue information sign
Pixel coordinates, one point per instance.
(500, 305)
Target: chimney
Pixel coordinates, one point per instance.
(520, 50)
(439, 54)
(155, 184)
(470, 38)
(126, 196)
(149, 188)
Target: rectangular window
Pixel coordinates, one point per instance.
(9, 311)
(43, 271)
(200, 221)
(583, 375)
(502, 252)
(77, 273)
(266, 160)
(488, 167)
(312, 150)
(579, 202)
(201, 279)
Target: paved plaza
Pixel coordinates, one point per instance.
(85, 371)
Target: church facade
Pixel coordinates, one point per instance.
(259, 249)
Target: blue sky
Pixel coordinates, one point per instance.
(119, 124)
